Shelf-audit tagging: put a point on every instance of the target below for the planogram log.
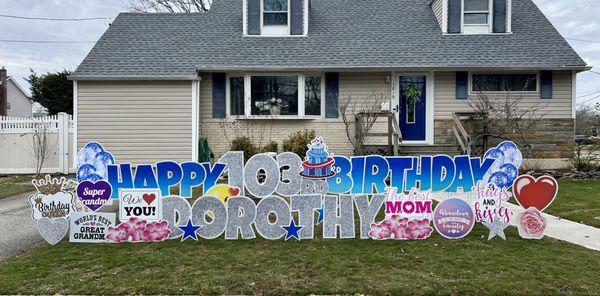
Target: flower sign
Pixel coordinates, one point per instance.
(287, 196)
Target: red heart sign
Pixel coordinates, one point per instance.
(234, 191)
(538, 193)
(149, 198)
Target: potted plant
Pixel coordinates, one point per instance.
(275, 106)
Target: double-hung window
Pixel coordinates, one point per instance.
(476, 16)
(275, 96)
(275, 17)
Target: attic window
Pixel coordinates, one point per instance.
(275, 17)
(476, 16)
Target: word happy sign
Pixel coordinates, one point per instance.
(287, 196)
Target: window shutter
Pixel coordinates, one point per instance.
(546, 84)
(499, 16)
(253, 17)
(462, 85)
(297, 20)
(454, 16)
(218, 89)
(332, 92)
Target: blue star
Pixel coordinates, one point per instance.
(320, 218)
(292, 230)
(189, 230)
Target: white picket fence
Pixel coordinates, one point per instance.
(17, 149)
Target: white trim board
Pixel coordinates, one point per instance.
(195, 118)
(75, 135)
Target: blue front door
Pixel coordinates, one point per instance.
(412, 107)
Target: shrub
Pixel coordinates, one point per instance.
(270, 147)
(243, 144)
(298, 142)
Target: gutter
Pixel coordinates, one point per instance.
(387, 69)
(131, 78)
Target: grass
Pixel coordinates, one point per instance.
(17, 184)
(436, 266)
(12, 185)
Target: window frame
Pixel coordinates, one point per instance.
(537, 82)
(477, 28)
(248, 93)
(274, 30)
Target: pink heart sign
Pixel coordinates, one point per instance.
(538, 193)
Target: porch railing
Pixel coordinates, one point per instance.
(465, 138)
(393, 134)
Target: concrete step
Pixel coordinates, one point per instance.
(410, 150)
(449, 149)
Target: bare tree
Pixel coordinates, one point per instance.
(368, 109)
(506, 115)
(585, 116)
(172, 6)
(39, 147)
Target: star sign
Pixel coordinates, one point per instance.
(496, 228)
(292, 230)
(320, 218)
(189, 230)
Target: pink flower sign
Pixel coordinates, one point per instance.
(531, 224)
(398, 228)
(134, 230)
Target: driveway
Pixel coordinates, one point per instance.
(18, 231)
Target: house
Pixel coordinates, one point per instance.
(155, 83)
(14, 99)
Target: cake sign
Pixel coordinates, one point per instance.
(318, 163)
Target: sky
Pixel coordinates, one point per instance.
(574, 19)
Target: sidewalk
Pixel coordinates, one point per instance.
(18, 232)
(565, 230)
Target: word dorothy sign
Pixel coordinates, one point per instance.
(288, 196)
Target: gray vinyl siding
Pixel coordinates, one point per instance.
(137, 121)
(560, 106)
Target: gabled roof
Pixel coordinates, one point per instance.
(18, 86)
(343, 35)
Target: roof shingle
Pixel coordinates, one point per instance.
(343, 34)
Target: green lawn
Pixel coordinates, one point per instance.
(436, 266)
(11, 185)
(577, 200)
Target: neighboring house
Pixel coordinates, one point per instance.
(18, 103)
(155, 83)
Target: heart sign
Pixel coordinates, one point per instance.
(149, 198)
(538, 193)
(94, 195)
(53, 230)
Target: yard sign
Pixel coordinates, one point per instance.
(287, 196)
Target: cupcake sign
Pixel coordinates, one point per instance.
(318, 163)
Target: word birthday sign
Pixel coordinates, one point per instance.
(287, 196)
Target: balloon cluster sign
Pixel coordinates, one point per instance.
(287, 196)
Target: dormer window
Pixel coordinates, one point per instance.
(473, 16)
(276, 18)
(476, 16)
